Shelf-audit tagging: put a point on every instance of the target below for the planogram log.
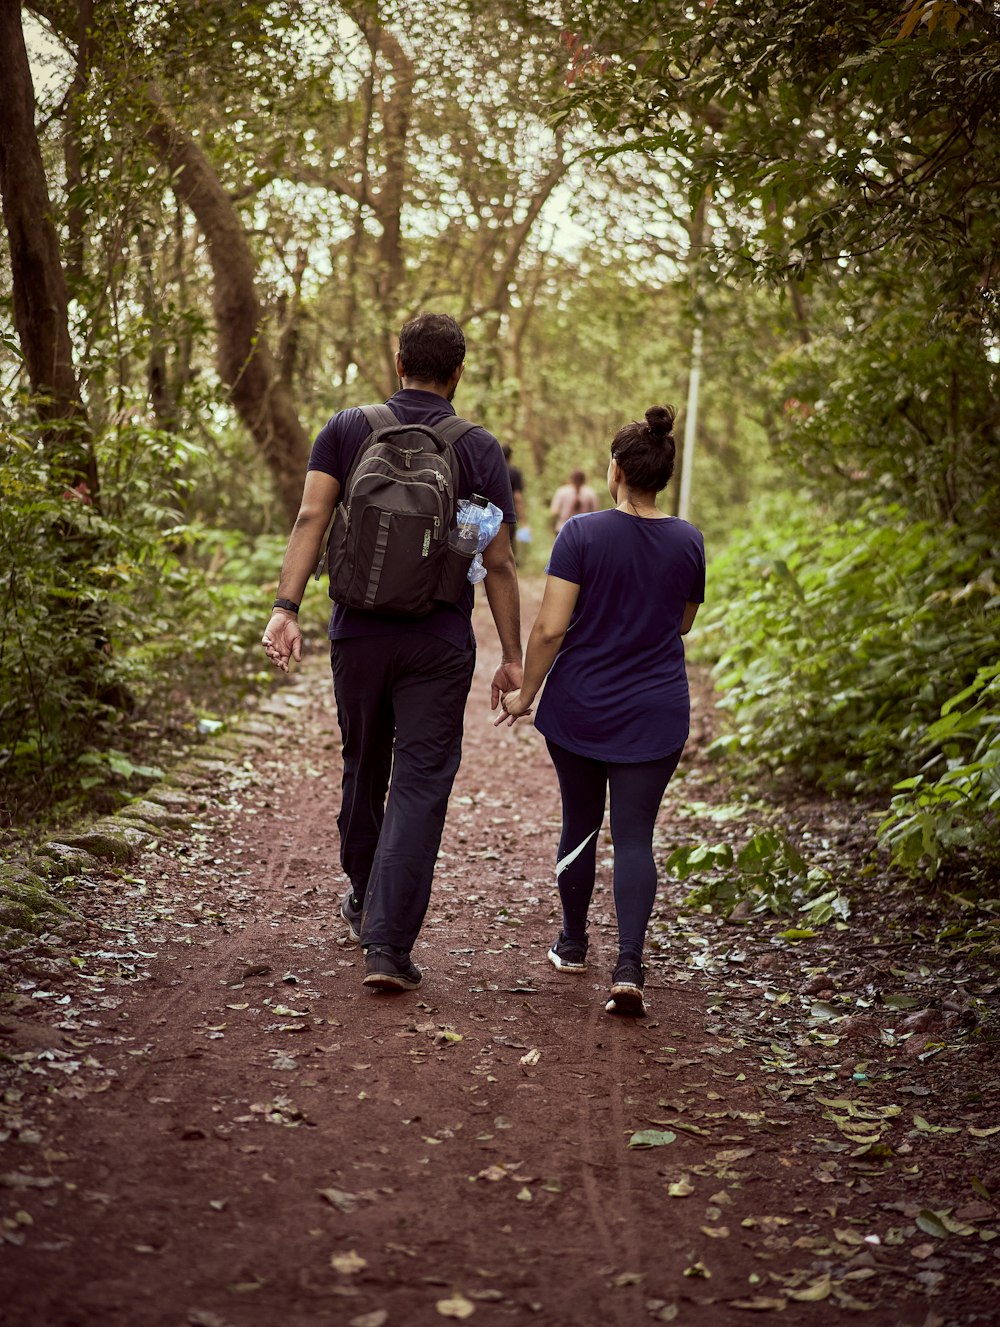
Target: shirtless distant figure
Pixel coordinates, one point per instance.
(571, 499)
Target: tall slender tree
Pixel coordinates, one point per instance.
(39, 283)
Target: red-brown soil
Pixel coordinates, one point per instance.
(206, 1120)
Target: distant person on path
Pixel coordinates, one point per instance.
(623, 586)
(572, 499)
(519, 531)
(400, 683)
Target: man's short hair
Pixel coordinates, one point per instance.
(431, 346)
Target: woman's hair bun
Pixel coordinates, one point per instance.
(660, 421)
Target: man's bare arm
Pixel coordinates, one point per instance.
(282, 637)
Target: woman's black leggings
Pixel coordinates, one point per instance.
(636, 793)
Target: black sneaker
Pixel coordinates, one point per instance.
(626, 990)
(389, 970)
(569, 955)
(350, 910)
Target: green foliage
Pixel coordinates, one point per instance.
(897, 406)
(56, 674)
(939, 812)
(827, 130)
(768, 874)
(112, 762)
(104, 609)
(860, 652)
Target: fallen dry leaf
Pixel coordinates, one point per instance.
(698, 1269)
(338, 1198)
(348, 1264)
(456, 1307)
(814, 1292)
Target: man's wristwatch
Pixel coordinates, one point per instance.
(289, 605)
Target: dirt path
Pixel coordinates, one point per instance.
(208, 1120)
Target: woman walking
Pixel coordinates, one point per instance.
(623, 586)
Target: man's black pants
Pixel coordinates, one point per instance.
(401, 704)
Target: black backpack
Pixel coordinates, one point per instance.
(389, 548)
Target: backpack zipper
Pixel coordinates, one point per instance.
(423, 484)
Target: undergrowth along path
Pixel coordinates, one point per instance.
(207, 1120)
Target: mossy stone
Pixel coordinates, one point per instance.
(59, 859)
(109, 842)
(209, 765)
(15, 877)
(258, 729)
(174, 800)
(15, 938)
(188, 778)
(21, 886)
(160, 817)
(15, 915)
(227, 744)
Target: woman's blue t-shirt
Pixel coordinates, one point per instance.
(618, 689)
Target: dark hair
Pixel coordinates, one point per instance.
(431, 347)
(577, 478)
(646, 451)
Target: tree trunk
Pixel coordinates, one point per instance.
(40, 301)
(157, 371)
(76, 215)
(246, 363)
(799, 310)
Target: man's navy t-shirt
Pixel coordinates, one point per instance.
(618, 689)
(481, 468)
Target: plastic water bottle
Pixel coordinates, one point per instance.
(466, 538)
(477, 522)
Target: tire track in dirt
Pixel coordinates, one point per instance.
(593, 1158)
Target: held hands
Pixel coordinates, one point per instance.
(506, 678)
(282, 639)
(513, 707)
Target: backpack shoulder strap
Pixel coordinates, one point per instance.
(453, 428)
(379, 417)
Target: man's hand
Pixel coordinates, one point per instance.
(508, 677)
(513, 707)
(282, 639)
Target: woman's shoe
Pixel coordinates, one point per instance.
(569, 955)
(626, 990)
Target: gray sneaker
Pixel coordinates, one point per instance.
(388, 970)
(350, 910)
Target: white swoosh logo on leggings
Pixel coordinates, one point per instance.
(571, 857)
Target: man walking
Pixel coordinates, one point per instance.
(400, 684)
(519, 531)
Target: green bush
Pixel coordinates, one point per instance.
(953, 804)
(859, 654)
(104, 607)
(768, 874)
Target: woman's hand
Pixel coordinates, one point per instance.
(513, 707)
